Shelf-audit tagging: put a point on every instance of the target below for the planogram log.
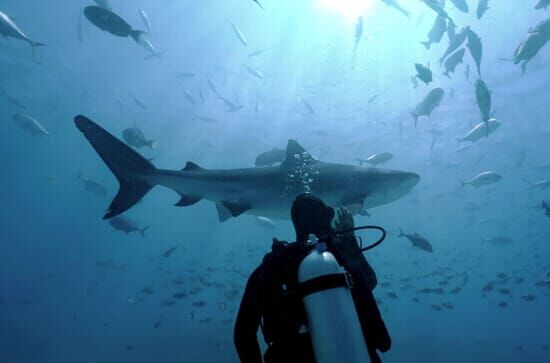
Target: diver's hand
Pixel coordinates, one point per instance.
(344, 220)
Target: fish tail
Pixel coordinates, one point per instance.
(127, 165)
(152, 144)
(142, 231)
(136, 34)
(401, 233)
(426, 44)
(462, 182)
(36, 44)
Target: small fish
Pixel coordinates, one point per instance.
(476, 49)
(423, 73)
(139, 102)
(253, 71)
(123, 224)
(461, 5)
(485, 178)
(158, 323)
(239, 34)
(498, 240)
(482, 7)
(418, 241)
(259, 4)
(453, 61)
(428, 104)
(484, 103)
(528, 297)
(189, 97)
(308, 106)
(436, 6)
(180, 295)
(436, 33)
(93, 186)
(271, 157)
(540, 184)
(145, 19)
(480, 130)
(358, 31)
(169, 252)
(395, 4)
(8, 29)
(376, 159)
(135, 137)
(30, 125)
(414, 82)
(266, 222)
(391, 295)
(455, 43)
(257, 53)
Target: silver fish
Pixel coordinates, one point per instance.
(429, 104)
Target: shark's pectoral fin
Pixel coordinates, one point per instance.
(223, 213)
(187, 200)
(236, 208)
(190, 166)
(354, 204)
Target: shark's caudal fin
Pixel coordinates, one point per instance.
(126, 164)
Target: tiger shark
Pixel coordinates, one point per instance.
(262, 191)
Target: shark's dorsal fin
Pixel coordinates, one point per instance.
(191, 166)
(294, 153)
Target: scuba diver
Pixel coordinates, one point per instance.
(275, 297)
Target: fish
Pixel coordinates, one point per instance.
(453, 61)
(528, 297)
(189, 97)
(11, 99)
(30, 125)
(476, 49)
(482, 7)
(308, 106)
(429, 104)
(376, 159)
(141, 38)
(135, 137)
(358, 31)
(542, 4)
(455, 43)
(239, 34)
(485, 178)
(451, 31)
(271, 157)
(108, 21)
(145, 19)
(8, 29)
(169, 252)
(103, 4)
(461, 5)
(93, 186)
(480, 130)
(257, 53)
(419, 242)
(436, 6)
(267, 191)
(231, 107)
(414, 82)
(123, 224)
(540, 184)
(498, 240)
(259, 4)
(139, 102)
(266, 222)
(253, 71)
(158, 322)
(423, 73)
(528, 49)
(483, 98)
(546, 208)
(395, 4)
(436, 32)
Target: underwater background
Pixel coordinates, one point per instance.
(73, 289)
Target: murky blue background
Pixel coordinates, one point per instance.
(71, 286)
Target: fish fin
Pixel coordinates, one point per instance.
(223, 213)
(152, 144)
(463, 183)
(191, 166)
(187, 200)
(36, 44)
(401, 233)
(142, 231)
(236, 208)
(135, 34)
(426, 44)
(354, 205)
(125, 163)
(293, 149)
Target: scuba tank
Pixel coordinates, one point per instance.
(332, 318)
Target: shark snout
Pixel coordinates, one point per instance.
(409, 180)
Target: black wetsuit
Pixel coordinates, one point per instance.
(272, 300)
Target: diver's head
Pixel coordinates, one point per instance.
(310, 215)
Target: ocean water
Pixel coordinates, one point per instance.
(74, 289)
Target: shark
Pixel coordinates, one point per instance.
(262, 191)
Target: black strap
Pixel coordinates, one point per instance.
(324, 282)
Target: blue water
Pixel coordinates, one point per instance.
(71, 286)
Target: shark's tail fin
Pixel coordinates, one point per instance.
(401, 233)
(126, 164)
